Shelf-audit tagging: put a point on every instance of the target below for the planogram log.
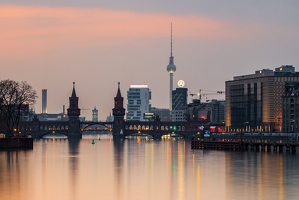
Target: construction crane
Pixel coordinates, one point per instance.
(193, 94)
(217, 93)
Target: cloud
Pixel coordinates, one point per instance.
(27, 31)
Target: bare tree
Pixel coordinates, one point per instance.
(13, 96)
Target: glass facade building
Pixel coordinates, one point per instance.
(138, 97)
(254, 101)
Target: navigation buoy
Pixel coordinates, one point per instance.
(92, 142)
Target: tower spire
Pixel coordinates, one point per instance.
(118, 91)
(74, 91)
(171, 40)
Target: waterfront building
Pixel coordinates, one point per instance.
(52, 117)
(95, 117)
(255, 100)
(211, 111)
(138, 97)
(198, 111)
(44, 101)
(290, 108)
(171, 68)
(218, 111)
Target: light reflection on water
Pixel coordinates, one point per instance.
(140, 168)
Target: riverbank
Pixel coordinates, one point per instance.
(16, 143)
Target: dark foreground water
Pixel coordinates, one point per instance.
(140, 169)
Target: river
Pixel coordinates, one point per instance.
(143, 169)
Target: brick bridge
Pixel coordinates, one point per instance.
(120, 128)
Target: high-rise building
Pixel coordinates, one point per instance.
(95, 117)
(138, 97)
(179, 104)
(44, 101)
(171, 68)
(255, 100)
(179, 98)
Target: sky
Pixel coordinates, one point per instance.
(96, 44)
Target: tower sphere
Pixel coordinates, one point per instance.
(171, 68)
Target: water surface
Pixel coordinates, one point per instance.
(134, 169)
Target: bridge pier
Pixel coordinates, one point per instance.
(157, 136)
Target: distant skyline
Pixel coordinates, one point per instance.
(51, 44)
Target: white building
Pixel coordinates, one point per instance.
(138, 97)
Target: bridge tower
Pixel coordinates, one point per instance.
(73, 113)
(118, 114)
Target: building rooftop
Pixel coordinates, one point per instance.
(138, 86)
(284, 70)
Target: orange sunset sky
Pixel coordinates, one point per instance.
(97, 44)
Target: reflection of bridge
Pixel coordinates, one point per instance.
(120, 128)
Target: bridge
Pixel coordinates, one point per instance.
(120, 128)
(94, 126)
(39, 129)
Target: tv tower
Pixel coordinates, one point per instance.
(171, 69)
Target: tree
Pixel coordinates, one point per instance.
(13, 96)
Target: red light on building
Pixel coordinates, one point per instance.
(212, 129)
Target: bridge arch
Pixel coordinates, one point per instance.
(88, 127)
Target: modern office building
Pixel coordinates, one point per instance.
(138, 97)
(179, 104)
(171, 68)
(218, 111)
(163, 113)
(255, 100)
(198, 111)
(44, 101)
(179, 98)
(95, 115)
(290, 108)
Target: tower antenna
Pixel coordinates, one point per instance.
(171, 39)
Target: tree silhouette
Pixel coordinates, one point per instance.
(14, 96)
